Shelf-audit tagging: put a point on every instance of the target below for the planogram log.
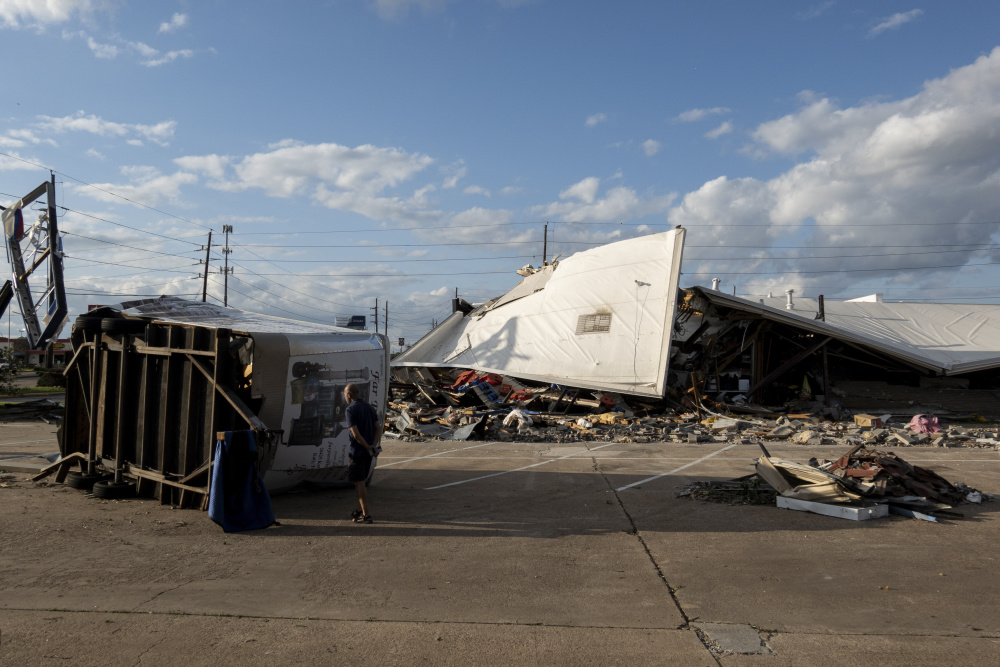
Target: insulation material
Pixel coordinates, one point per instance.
(599, 319)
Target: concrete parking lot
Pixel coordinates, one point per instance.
(500, 553)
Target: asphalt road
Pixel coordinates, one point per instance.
(502, 553)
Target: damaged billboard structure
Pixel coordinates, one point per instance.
(154, 384)
(611, 327)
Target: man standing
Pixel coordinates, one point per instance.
(366, 433)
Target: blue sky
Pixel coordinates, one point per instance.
(401, 149)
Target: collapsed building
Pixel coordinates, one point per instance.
(611, 325)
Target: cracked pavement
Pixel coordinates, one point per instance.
(501, 553)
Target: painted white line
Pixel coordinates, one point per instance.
(674, 471)
(25, 442)
(533, 465)
(430, 456)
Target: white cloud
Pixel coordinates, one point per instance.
(176, 21)
(585, 190)
(595, 119)
(894, 21)
(143, 49)
(511, 190)
(159, 133)
(476, 190)
(933, 159)
(390, 9)
(338, 177)
(27, 13)
(94, 153)
(135, 142)
(651, 147)
(692, 115)
(724, 128)
(816, 10)
(168, 57)
(103, 51)
(453, 174)
(581, 204)
(12, 163)
(146, 186)
(213, 166)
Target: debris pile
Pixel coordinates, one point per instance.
(862, 478)
(466, 404)
(44, 409)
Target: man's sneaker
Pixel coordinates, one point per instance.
(355, 514)
(363, 518)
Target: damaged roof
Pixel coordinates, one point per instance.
(599, 319)
(943, 337)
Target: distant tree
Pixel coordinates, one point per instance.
(20, 345)
(8, 370)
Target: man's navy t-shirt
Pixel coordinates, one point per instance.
(363, 416)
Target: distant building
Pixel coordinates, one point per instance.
(62, 352)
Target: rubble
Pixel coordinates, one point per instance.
(861, 484)
(460, 404)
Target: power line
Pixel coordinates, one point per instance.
(107, 192)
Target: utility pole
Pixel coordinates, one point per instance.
(204, 283)
(375, 316)
(226, 271)
(545, 243)
(386, 332)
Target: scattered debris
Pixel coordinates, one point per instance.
(861, 484)
(44, 409)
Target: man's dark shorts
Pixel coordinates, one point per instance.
(358, 469)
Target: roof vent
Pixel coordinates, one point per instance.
(715, 283)
(789, 305)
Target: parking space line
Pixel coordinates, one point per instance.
(26, 442)
(533, 465)
(430, 456)
(675, 470)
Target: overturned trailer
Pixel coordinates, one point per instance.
(153, 384)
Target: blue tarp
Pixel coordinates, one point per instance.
(238, 499)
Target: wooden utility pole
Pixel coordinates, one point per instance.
(386, 323)
(204, 283)
(375, 316)
(545, 243)
(225, 253)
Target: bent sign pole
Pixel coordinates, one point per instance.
(43, 245)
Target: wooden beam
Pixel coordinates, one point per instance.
(66, 463)
(241, 408)
(783, 368)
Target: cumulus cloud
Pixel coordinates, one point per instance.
(895, 21)
(651, 147)
(176, 21)
(159, 133)
(692, 115)
(585, 190)
(476, 190)
(453, 173)
(931, 159)
(595, 119)
(581, 203)
(29, 13)
(724, 128)
(339, 177)
(145, 185)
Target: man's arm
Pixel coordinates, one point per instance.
(356, 434)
